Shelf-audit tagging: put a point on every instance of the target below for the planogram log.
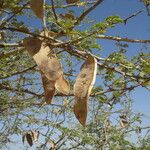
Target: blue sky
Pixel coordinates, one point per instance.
(136, 28)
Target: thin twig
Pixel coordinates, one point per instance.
(106, 37)
(30, 33)
(11, 17)
(44, 18)
(3, 45)
(140, 128)
(54, 12)
(19, 90)
(55, 15)
(85, 13)
(133, 15)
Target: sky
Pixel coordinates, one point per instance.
(136, 28)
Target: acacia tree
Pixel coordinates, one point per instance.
(71, 36)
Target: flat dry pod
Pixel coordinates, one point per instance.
(83, 86)
(49, 88)
(49, 65)
(71, 1)
(32, 45)
(45, 58)
(37, 7)
(62, 85)
(29, 139)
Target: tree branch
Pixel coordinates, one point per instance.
(122, 39)
(30, 33)
(106, 37)
(82, 55)
(19, 90)
(130, 88)
(3, 45)
(69, 49)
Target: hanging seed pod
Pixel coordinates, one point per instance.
(49, 65)
(62, 85)
(49, 88)
(29, 139)
(30, 136)
(45, 58)
(83, 86)
(32, 45)
(37, 7)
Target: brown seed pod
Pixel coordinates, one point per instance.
(49, 88)
(62, 85)
(50, 66)
(45, 58)
(32, 45)
(29, 139)
(37, 7)
(71, 1)
(48, 63)
(83, 87)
